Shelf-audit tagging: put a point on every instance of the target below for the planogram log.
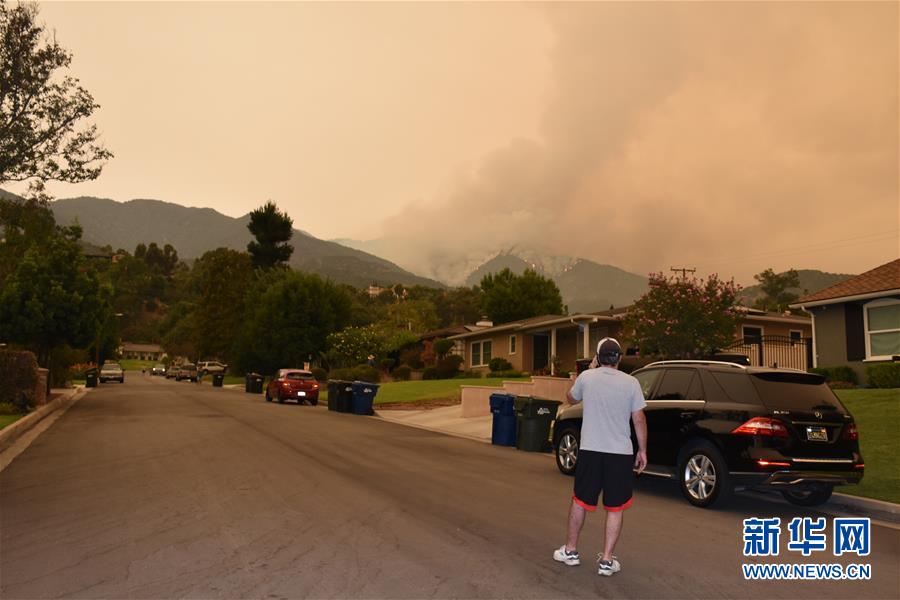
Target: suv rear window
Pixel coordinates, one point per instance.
(795, 391)
(675, 385)
(737, 387)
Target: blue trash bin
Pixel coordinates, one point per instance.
(503, 427)
(363, 398)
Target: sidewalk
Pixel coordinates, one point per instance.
(446, 419)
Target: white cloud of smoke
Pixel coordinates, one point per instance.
(689, 134)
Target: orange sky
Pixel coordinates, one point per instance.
(728, 137)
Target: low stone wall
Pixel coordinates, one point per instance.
(40, 390)
(519, 388)
(476, 400)
(551, 388)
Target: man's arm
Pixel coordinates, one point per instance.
(640, 429)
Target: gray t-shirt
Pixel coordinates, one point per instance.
(609, 396)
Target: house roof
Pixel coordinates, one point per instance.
(130, 347)
(537, 322)
(885, 278)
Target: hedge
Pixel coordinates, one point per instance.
(884, 375)
(361, 373)
(402, 373)
(18, 378)
(839, 373)
(319, 373)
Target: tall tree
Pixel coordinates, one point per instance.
(289, 317)
(776, 289)
(684, 318)
(224, 276)
(52, 298)
(508, 297)
(272, 230)
(42, 109)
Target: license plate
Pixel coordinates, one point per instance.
(817, 434)
(301, 393)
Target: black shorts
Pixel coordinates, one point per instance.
(601, 471)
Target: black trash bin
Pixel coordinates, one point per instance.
(332, 394)
(254, 383)
(90, 378)
(534, 416)
(344, 396)
(503, 426)
(363, 397)
(218, 379)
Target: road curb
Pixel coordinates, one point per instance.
(474, 438)
(867, 507)
(9, 435)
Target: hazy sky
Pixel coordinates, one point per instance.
(728, 137)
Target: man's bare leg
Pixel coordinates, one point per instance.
(613, 529)
(576, 522)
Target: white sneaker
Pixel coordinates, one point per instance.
(567, 557)
(607, 568)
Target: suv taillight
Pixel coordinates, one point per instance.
(850, 432)
(763, 426)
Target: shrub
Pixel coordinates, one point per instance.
(471, 374)
(511, 374)
(839, 373)
(18, 378)
(884, 375)
(500, 364)
(430, 373)
(412, 357)
(319, 373)
(8, 408)
(402, 373)
(442, 347)
(448, 366)
(841, 385)
(359, 373)
(387, 363)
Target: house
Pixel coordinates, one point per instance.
(770, 339)
(857, 322)
(141, 351)
(531, 344)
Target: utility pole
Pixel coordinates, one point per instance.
(683, 271)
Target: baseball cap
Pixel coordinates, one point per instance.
(608, 351)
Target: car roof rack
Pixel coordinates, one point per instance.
(718, 363)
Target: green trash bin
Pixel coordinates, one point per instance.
(535, 417)
(255, 383)
(332, 394)
(218, 379)
(90, 378)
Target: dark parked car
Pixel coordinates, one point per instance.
(186, 371)
(293, 384)
(716, 427)
(111, 371)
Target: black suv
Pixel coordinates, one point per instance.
(717, 427)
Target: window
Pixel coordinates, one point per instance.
(752, 335)
(796, 336)
(675, 385)
(647, 379)
(481, 353)
(512, 344)
(882, 321)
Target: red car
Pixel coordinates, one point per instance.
(293, 384)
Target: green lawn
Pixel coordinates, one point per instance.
(877, 415)
(9, 420)
(410, 391)
(137, 365)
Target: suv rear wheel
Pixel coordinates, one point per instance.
(567, 450)
(702, 474)
(809, 495)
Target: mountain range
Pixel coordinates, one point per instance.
(584, 285)
(193, 231)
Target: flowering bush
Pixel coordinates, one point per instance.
(353, 345)
(684, 318)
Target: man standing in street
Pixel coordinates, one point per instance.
(606, 457)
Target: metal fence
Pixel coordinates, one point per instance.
(775, 351)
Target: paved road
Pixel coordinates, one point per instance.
(158, 489)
